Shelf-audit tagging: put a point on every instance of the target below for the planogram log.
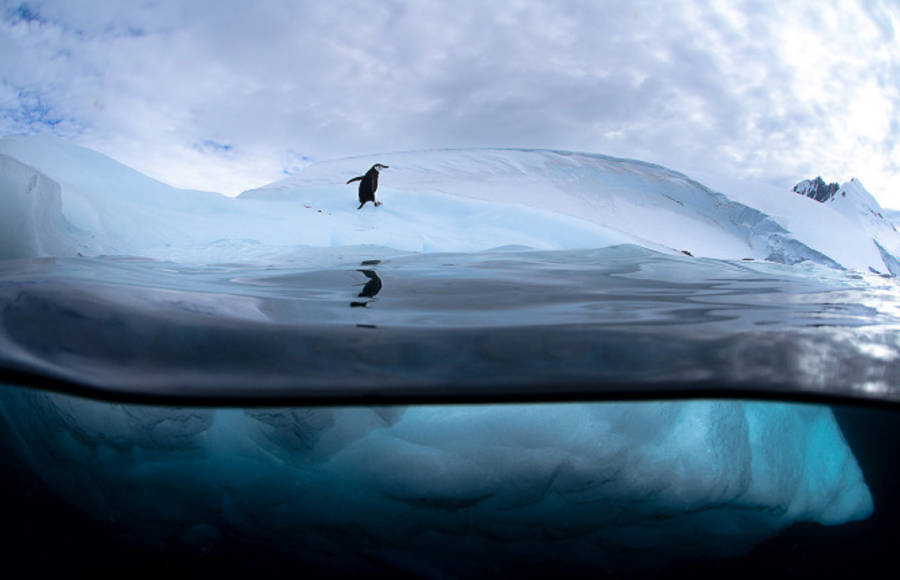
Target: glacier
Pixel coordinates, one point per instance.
(95, 255)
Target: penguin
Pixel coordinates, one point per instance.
(368, 185)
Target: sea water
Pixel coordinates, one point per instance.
(509, 323)
(361, 409)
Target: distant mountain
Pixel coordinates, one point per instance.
(817, 189)
(855, 203)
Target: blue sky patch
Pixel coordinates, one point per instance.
(23, 13)
(213, 146)
(30, 112)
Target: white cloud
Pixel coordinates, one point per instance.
(784, 90)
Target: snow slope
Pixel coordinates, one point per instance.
(848, 228)
(454, 200)
(859, 208)
(644, 203)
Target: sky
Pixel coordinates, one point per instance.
(225, 96)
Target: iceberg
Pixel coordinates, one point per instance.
(435, 201)
(449, 490)
(434, 490)
(31, 223)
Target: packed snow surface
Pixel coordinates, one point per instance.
(68, 200)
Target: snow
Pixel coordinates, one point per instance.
(451, 200)
(640, 202)
(847, 229)
(598, 478)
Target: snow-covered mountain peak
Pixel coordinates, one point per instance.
(854, 200)
(860, 212)
(851, 199)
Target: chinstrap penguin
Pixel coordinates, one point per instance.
(368, 183)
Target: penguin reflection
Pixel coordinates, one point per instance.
(371, 289)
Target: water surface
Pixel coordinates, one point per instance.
(371, 325)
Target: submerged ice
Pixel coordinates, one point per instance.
(422, 488)
(435, 489)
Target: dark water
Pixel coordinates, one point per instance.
(374, 327)
(620, 322)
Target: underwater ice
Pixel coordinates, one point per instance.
(587, 483)
(570, 481)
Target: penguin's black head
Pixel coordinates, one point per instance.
(379, 167)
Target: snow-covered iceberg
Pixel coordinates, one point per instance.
(422, 489)
(451, 200)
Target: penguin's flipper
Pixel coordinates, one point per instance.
(356, 179)
(360, 205)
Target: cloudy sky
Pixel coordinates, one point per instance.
(226, 95)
